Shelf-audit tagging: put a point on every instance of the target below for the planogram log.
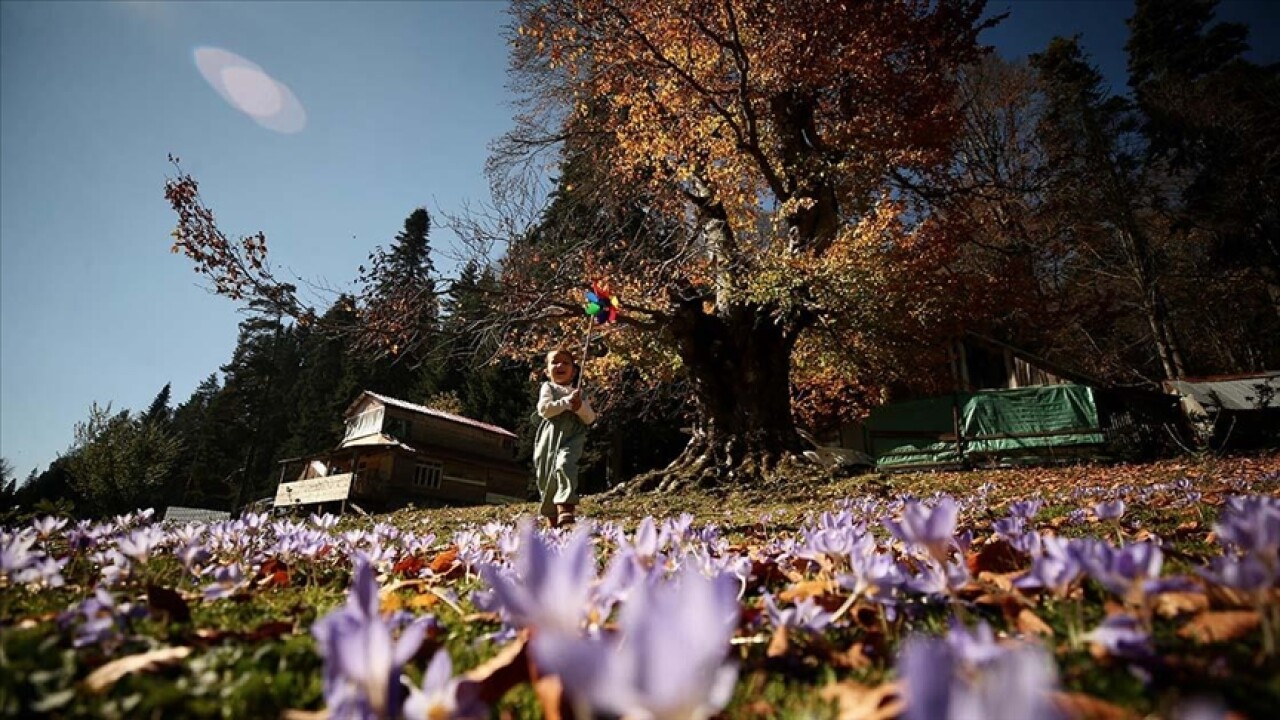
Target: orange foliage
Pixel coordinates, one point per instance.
(769, 130)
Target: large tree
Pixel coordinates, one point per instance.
(738, 156)
(767, 130)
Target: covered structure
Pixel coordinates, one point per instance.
(1238, 411)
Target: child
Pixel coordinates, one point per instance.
(562, 431)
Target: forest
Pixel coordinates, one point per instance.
(796, 232)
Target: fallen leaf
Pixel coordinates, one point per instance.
(1173, 604)
(507, 669)
(550, 694)
(1080, 706)
(995, 557)
(1221, 625)
(424, 601)
(107, 675)
(445, 561)
(853, 657)
(859, 702)
(804, 589)
(409, 566)
(167, 604)
(778, 643)
(1030, 624)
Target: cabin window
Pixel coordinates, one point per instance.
(427, 475)
(397, 428)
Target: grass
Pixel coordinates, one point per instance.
(253, 656)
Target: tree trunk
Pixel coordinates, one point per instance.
(740, 362)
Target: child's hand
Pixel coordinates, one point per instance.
(575, 400)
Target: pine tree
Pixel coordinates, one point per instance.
(158, 411)
(400, 309)
(1213, 116)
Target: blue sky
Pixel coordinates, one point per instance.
(401, 100)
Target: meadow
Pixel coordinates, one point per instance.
(1083, 591)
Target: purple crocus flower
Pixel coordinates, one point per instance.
(806, 614)
(443, 696)
(1244, 573)
(1120, 571)
(978, 647)
(1122, 636)
(1112, 510)
(15, 552)
(1251, 524)
(362, 659)
(227, 581)
(547, 589)
(45, 572)
(1026, 509)
(873, 575)
(930, 528)
(48, 525)
(141, 543)
(645, 542)
(1007, 684)
(1054, 571)
(668, 660)
(937, 578)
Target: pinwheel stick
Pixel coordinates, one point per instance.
(583, 365)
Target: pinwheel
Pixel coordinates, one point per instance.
(602, 304)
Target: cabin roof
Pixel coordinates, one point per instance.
(424, 410)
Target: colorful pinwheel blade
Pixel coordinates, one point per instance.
(593, 308)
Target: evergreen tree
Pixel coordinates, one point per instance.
(119, 462)
(53, 486)
(259, 381)
(206, 458)
(158, 411)
(400, 309)
(1213, 116)
(1099, 179)
(329, 378)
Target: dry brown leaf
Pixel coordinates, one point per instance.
(550, 693)
(854, 658)
(424, 601)
(1002, 581)
(1221, 626)
(859, 702)
(995, 557)
(107, 675)
(778, 643)
(804, 589)
(1030, 624)
(1079, 706)
(507, 669)
(1173, 604)
(291, 714)
(445, 561)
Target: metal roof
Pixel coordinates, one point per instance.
(1248, 392)
(424, 410)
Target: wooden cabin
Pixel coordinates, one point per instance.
(395, 452)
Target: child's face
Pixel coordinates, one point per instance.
(560, 368)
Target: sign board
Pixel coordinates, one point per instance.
(314, 490)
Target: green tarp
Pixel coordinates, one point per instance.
(994, 425)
